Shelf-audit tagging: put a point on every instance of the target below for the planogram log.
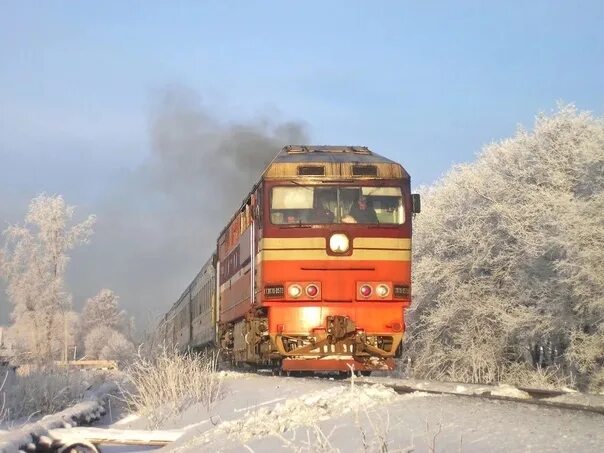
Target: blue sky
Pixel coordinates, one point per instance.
(424, 83)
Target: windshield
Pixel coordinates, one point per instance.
(312, 205)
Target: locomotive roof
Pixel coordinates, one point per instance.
(337, 162)
(330, 154)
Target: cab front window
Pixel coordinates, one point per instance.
(313, 205)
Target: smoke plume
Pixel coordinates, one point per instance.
(161, 222)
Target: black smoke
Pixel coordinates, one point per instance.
(160, 223)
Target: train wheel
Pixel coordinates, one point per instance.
(342, 375)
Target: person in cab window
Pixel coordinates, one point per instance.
(362, 212)
(321, 213)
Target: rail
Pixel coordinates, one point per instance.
(560, 399)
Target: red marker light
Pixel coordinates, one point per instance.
(366, 290)
(312, 290)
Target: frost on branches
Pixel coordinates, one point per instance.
(102, 310)
(107, 343)
(105, 328)
(509, 259)
(33, 263)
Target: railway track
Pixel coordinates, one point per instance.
(541, 397)
(560, 399)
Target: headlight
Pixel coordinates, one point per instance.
(294, 291)
(382, 290)
(338, 243)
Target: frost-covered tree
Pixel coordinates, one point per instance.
(509, 255)
(102, 310)
(118, 348)
(96, 340)
(104, 342)
(33, 262)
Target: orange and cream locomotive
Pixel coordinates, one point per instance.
(313, 272)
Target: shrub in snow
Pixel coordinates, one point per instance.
(102, 311)
(43, 390)
(509, 256)
(168, 383)
(118, 348)
(97, 339)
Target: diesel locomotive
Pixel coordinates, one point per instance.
(313, 271)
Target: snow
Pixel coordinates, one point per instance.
(85, 411)
(509, 391)
(265, 413)
(306, 410)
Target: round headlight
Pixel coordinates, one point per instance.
(294, 291)
(338, 243)
(382, 290)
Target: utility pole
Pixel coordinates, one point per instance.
(64, 336)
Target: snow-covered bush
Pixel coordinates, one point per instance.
(102, 315)
(118, 348)
(95, 341)
(44, 390)
(108, 344)
(169, 383)
(509, 255)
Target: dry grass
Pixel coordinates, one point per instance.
(586, 354)
(3, 408)
(165, 385)
(316, 441)
(514, 373)
(42, 390)
(523, 375)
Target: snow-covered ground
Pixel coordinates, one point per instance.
(264, 413)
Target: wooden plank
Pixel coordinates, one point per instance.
(98, 364)
(111, 436)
